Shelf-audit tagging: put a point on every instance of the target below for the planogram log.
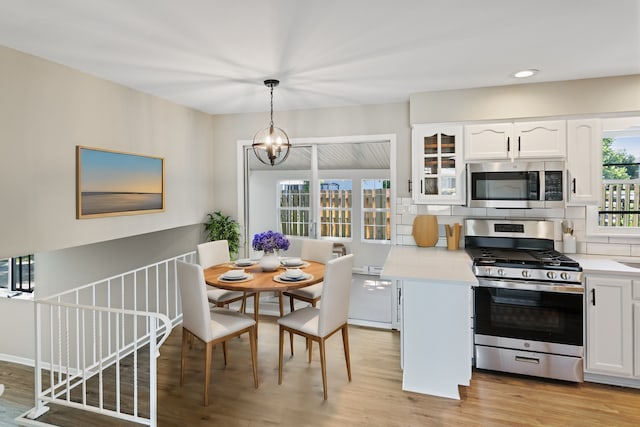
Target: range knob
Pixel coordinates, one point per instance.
(565, 276)
(500, 272)
(526, 273)
(552, 274)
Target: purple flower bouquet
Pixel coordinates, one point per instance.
(270, 241)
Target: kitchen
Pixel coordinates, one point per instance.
(87, 244)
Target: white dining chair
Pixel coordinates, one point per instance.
(209, 325)
(318, 324)
(214, 253)
(312, 250)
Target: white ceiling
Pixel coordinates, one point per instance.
(213, 55)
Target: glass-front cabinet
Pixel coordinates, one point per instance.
(438, 169)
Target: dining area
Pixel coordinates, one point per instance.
(317, 279)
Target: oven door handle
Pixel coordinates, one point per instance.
(532, 286)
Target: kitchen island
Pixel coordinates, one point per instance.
(436, 317)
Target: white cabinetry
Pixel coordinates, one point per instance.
(584, 157)
(610, 336)
(520, 140)
(438, 169)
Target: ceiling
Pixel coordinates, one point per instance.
(214, 55)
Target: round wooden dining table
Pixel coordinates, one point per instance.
(262, 281)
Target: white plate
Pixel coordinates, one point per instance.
(245, 262)
(283, 278)
(293, 273)
(234, 275)
(292, 262)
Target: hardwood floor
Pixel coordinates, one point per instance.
(373, 398)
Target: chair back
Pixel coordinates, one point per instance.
(195, 306)
(334, 308)
(213, 253)
(317, 250)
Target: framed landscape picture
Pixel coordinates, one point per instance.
(110, 183)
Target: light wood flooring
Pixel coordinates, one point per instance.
(373, 398)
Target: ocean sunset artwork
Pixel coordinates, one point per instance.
(114, 183)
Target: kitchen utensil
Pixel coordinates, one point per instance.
(453, 236)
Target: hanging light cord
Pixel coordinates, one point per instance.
(271, 123)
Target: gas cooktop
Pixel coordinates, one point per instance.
(530, 258)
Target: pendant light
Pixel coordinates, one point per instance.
(271, 144)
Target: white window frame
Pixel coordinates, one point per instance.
(611, 128)
(342, 209)
(363, 210)
(298, 208)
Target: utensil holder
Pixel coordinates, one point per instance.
(453, 236)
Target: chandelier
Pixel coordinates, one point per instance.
(271, 144)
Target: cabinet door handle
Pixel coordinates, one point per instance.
(573, 183)
(508, 143)
(593, 296)
(518, 144)
(409, 182)
(421, 191)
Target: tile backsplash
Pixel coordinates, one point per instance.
(406, 212)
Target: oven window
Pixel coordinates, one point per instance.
(529, 315)
(505, 185)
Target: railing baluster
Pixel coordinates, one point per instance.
(103, 343)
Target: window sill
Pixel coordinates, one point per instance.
(593, 229)
(7, 294)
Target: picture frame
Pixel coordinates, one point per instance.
(113, 183)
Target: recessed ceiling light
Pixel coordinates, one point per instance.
(525, 73)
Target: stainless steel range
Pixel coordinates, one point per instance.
(528, 305)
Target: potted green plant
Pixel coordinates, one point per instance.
(222, 227)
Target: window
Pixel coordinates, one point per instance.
(17, 274)
(376, 210)
(335, 208)
(620, 181)
(294, 209)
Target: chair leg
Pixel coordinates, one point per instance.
(281, 342)
(208, 356)
(183, 358)
(345, 344)
(280, 304)
(243, 305)
(292, 309)
(224, 352)
(323, 366)
(254, 355)
(310, 342)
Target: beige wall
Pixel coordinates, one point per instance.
(361, 120)
(567, 98)
(45, 111)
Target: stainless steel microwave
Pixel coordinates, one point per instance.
(516, 185)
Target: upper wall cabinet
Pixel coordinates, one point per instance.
(438, 170)
(584, 158)
(521, 140)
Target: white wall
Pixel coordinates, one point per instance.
(45, 111)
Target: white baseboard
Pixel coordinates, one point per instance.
(15, 359)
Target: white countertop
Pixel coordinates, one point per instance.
(429, 264)
(606, 264)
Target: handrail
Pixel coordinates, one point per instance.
(83, 334)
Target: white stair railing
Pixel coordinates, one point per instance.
(96, 345)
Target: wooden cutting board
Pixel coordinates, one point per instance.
(425, 230)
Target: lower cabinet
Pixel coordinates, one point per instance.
(612, 341)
